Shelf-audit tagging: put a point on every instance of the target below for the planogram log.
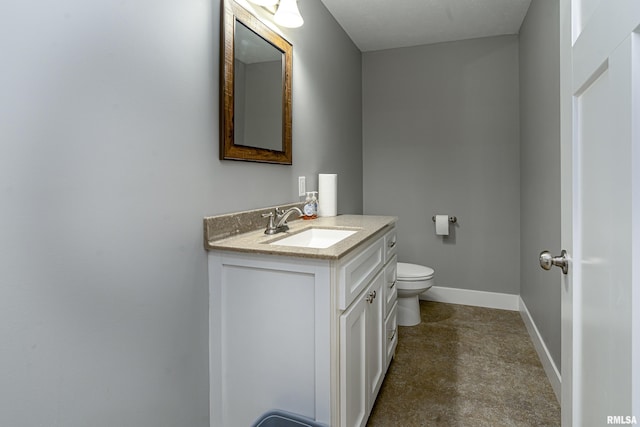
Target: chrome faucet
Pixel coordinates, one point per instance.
(278, 220)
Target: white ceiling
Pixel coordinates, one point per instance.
(386, 24)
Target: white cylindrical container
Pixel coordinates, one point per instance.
(327, 194)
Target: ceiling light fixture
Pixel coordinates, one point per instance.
(265, 3)
(288, 14)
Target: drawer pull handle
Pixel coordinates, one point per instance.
(371, 297)
(392, 244)
(393, 334)
(392, 284)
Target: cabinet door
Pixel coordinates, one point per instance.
(362, 353)
(354, 408)
(375, 339)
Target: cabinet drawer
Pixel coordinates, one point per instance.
(390, 244)
(390, 288)
(391, 333)
(356, 273)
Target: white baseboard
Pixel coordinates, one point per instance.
(469, 297)
(543, 352)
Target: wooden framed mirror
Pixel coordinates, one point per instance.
(256, 68)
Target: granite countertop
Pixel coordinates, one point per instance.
(256, 241)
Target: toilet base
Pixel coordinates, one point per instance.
(409, 311)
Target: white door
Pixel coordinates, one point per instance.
(600, 96)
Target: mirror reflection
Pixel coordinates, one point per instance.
(257, 91)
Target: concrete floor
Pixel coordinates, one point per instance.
(465, 366)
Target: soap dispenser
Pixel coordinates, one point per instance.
(310, 210)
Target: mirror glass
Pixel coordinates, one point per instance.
(255, 89)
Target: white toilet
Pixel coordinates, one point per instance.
(412, 280)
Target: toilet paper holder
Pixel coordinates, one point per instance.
(452, 219)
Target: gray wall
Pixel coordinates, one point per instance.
(109, 135)
(440, 128)
(540, 166)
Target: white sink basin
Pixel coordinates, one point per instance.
(315, 238)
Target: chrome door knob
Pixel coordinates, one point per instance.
(547, 261)
(371, 297)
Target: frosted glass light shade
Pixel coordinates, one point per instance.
(288, 14)
(266, 3)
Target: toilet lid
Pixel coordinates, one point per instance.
(408, 271)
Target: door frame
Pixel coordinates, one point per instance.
(566, 208)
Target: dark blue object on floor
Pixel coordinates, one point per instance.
(285, 419)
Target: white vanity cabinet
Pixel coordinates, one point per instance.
(302, 334)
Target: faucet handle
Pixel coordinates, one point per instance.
(271, 227)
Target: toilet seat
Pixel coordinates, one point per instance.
(413, 272)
